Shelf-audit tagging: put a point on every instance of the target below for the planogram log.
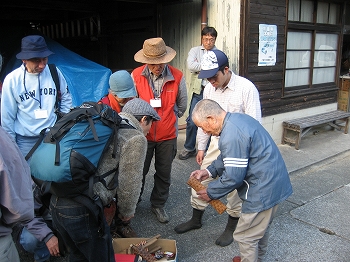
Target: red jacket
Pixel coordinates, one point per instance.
(166, 127)
(110, 101)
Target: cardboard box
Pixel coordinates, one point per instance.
(343, 100)
(344, 93)
(122, 244)
(344, 83)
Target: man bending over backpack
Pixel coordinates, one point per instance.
(76, 224)
(121, 90)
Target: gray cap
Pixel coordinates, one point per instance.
(139, 107)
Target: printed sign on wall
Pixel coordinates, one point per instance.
(267, 45)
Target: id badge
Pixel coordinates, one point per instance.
(156, 102)
(40, 113)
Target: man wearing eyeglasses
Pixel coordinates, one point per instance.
(196, 87)
(234, 94)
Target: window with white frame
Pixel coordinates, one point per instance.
(312, 44)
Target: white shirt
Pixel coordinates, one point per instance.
(240, 96)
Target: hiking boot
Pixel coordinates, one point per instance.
(162, 216)
(185, 154)
(125, 231)
(226, 237)
(194, 223)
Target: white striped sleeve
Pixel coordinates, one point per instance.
(235, 162)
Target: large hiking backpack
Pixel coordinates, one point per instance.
(65, 159)
(67, 156)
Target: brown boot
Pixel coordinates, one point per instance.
(126, 231)
(122, 228)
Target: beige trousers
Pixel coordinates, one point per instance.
(252, 234)
(234, 203)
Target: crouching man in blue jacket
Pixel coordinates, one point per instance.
(250, 162)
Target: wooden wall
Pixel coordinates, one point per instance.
(181, 30)
(270, 79)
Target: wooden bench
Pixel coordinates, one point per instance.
(299, 127)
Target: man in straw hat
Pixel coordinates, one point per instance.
(164, 87)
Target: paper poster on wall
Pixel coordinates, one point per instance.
(267, 45)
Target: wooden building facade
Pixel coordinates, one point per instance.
(301, 79)
(305, 79)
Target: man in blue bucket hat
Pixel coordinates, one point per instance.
(28, 106)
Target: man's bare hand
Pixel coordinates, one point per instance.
(52, 246)
(202, 194)
(200, 174)
(200, 157)
(125, 219)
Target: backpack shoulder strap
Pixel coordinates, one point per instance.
(36, 145)
(54, 74)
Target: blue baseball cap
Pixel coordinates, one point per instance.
(211, 63)
(121, 83)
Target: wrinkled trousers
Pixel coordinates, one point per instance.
(81, 231)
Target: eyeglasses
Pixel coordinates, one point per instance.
(210, 40)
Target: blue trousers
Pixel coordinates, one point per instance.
(191, 128)
(25, 143)
(80, 231)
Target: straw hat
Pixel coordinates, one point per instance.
(155, 51)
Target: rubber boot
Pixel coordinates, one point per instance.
(226, 237)
(194, 223)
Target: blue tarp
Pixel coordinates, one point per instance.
(87, 80)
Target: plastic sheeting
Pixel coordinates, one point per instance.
(87, 80)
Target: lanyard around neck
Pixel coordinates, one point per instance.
(30, 94)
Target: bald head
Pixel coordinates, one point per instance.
(204, 108)
(209, 115)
